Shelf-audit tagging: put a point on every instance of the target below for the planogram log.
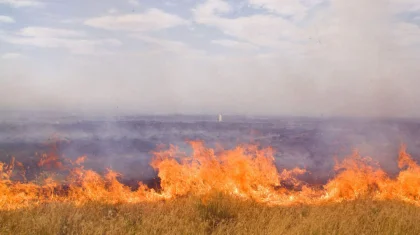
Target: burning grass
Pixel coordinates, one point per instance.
(211, 191)
(220, 214)
(244, 172)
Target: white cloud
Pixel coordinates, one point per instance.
(11, 56)
(206, 11)
(235, 44)
(79, 46)
(60, 38)
(170, 3)
(262, 30)
(404, 5)
(22, 3)
(163, 45)
(292, 8)
(6, 19)
(50, 32)
(134, 3)
(112, 11)
(72, 21)
(153, 19)
(349, 58)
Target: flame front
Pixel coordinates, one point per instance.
(245, 172)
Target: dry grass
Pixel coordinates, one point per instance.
(220, 215)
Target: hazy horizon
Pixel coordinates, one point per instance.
(316, 58)
(116, 114)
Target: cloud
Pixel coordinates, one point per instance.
(404, 5)
(207, 10)
(112, 11)
(11, 56)
(71, 40)
(152, 19)
(235, 44)
(50, 32)
(163, 45)
(347, 58)
(22, 3)
(6, 19)
(79, 46)
(293, 8)
(260, 29)
(134, 3)
(353, 50)
(72, 21)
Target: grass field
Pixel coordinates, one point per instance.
(218, 215)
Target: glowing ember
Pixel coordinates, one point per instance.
(245, 172)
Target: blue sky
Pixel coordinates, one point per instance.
(289, 57)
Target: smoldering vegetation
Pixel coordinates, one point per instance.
(124, 144)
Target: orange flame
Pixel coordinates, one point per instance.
(245, 172)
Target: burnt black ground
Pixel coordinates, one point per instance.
(124, 143)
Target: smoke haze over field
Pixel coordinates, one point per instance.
(125, 144)
(297, 57)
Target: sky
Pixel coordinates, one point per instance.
(250, 57)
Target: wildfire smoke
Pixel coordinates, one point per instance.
(245, 172)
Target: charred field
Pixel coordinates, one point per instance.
(193, 175)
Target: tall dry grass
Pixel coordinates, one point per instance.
(218, 215)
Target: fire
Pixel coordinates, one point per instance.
(245, 172)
